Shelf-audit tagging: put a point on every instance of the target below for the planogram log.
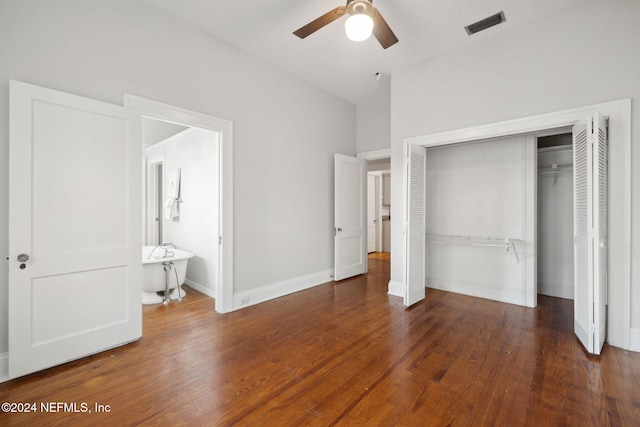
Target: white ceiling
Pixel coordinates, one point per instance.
(327, 59)
(154, 131)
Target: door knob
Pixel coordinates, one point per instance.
(23, 258)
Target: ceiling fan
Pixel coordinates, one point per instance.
(363, 20)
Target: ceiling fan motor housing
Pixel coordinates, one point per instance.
(355, 7)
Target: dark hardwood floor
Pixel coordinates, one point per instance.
(347, 354)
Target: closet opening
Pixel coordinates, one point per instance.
(478, 218)
(554, 248)
(601, 216)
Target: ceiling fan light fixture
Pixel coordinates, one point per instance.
(363, 21)
(358, 27)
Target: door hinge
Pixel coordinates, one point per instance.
(219, 240)
(594, 328)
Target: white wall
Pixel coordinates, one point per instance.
(283, 127)
(585, 54)
(374, 118)
(154, 131)
(480, 190)
(195, 153)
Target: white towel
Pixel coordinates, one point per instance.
(175, 209)
(171, 208)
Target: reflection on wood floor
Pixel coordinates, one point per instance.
(346, 354)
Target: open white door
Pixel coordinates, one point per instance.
(350, 232)
(75, 225)
(371, 213)
(414, 236)
(590, 231)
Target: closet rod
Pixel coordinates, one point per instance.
(450, 239)
(556, 167)
(555, 170)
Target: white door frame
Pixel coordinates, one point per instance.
(169, 113)
(619, 254)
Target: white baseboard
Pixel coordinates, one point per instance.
(4, 367)
(198, 287)
(558, 290)
(275, 290)
(479, 290)
(396, 288)
(634, 339)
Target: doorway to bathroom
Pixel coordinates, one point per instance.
(181, 199)
(187, 192)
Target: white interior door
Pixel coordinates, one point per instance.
(414, 236)
(590, 232)
(350, 241)
(75, 212)
(371, 213)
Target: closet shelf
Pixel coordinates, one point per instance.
(452, 239)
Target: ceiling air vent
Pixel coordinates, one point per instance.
(485, 23)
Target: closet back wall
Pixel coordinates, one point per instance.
(480, 190)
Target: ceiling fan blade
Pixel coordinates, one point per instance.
(382, 31)
(316, 24)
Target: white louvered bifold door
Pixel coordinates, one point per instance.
(600, 230)
(590, 225)
(581, 313)
(415, 242)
